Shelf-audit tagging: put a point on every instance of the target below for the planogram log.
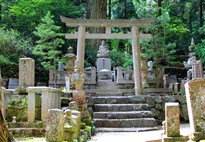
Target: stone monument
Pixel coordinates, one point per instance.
(195, 96)
(55, 125)
(171, 125)
(103, 63)
(70, 63)
(191, 63)
(26, 74)
(144, 68)
(78, 78)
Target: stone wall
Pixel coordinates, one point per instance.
(157, 105)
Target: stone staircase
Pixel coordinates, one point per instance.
(120, 112)
(119, 109)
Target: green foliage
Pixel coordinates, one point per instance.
(49, 43)
(200, 47)
(13, 46)
(12, 102)
(25, 15)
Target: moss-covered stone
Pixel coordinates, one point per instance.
(20, 113)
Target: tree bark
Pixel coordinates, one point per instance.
(5, 136)
(97, 9)
(159, 7)
(201, 13)
(125, 9)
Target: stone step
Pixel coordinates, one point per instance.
(108, 93)
(119, 99)
(124, 91)
(125, 123)
(122, 115)
(119, 107)
(132, 129)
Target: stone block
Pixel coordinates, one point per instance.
(195, 95)
(26, 72)
(172, 119)
(55, 125)
(172, 139)
(103, 63)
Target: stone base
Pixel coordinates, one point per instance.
(172, 139)
(79, 96)
(197, 136)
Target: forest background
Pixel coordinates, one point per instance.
(32, 28)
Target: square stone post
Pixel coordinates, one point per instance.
(195, 96)
(93, 75)
(6, 96)
(136, 60)
(55, 126)
(172, 123)
(31, 106)
(81, 47)
(26, 72)
(119, 75)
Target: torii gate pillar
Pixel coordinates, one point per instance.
(136, 60)
(81, 47)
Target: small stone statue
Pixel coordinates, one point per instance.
(191, 63)
(70, 60)
(78, 77)
(103, 51)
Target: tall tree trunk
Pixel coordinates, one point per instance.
(97, 9)
(160, 7)
(125, 9)
(109, 9)
(201, 13)
(5, 136)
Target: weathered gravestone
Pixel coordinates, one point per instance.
(172, 123)
(55, 125)
(195, 95)
(26, 72)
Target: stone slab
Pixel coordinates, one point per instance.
(172, 119)
(172, 139)
(103, 63)
(195, 95)
(55, 125)
(26, 72)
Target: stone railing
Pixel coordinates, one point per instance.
(6, 96)
(124, 76)
(60, 77)
(50, 99)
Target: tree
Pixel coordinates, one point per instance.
(25, 15)
(13, 46)
(50, 42)
(5, 136)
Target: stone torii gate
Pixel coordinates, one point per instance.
(135, 35)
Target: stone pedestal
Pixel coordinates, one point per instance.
(50, 99)
(195, 95)
(55, 125)
(103, 63)
(172, 123)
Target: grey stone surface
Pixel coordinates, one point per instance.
(55, 125)
(120, 107)
(123, 115)
(103, 63)
(137, 122)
